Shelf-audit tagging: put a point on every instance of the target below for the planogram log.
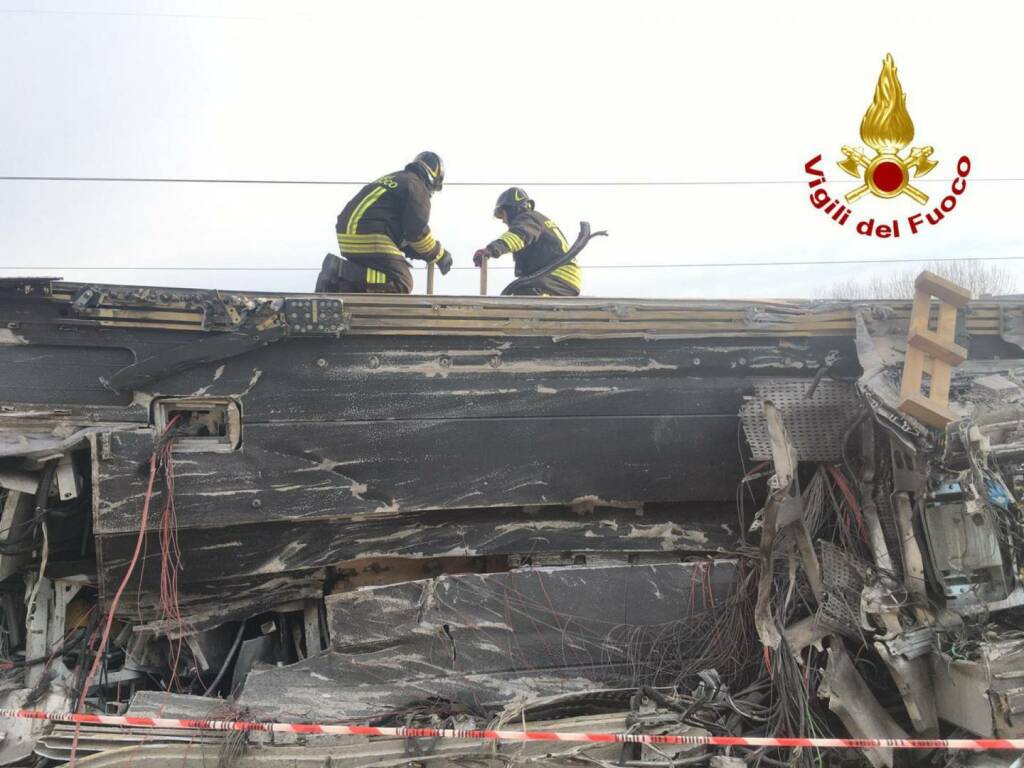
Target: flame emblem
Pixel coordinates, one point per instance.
(887, 129)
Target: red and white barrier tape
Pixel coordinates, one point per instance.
(475, 735)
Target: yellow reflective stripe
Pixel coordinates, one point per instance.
(372, 247)
(370, 199)
(357, 214)
(424, 245)
(571, 274)
(368, 250)
(440, 253)
(369, 237)
(369, 243)
(558, 233)
(513, 241)
(375, 277)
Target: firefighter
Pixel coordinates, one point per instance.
(534, 242)
(381, 227)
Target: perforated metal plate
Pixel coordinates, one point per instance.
(843, 577)
(890, 531)
(816, 424)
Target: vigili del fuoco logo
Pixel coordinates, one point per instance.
(887, 129)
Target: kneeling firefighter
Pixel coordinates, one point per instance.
(381, 227)
(535, 243)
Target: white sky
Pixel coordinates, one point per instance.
(508, 92)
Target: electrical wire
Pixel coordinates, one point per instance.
(132, 14)
(108, 625)
(42, 501)
(66, 646)
(350, 183)
(673, 265)
(105, 637)
(26, 541)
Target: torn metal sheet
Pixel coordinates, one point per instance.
(852, 700)
(484, 640)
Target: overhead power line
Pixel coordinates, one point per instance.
(699, 265)
(342, 183)
(138, 14)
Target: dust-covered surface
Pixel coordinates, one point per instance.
(647, 516)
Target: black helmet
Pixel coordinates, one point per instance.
(513, 199)
(432, 168)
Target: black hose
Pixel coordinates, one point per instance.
(582, 239)
(43, 491)
(17, 546)
(227, 660)
(68, 645)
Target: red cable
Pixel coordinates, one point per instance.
(104, 639)
(851, 500)
(170, 564)
(101, 648)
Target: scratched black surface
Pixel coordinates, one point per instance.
(326, 470)
(212, 556)
(484, 639)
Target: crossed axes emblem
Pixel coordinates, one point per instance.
(916, 160)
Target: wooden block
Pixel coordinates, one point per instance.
(921, 310)
(926, 411)
(946, 325)
(942, 375)
(913, 369)
(934, 345)
(943, 289)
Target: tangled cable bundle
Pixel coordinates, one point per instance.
(170, 552)
(162, 451)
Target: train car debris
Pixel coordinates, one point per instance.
(686, 518)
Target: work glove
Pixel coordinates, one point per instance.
(444, 264)
(479, 256)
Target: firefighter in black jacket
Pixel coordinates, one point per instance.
(534, 242)
(381, 227)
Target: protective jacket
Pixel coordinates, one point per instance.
(534, 242)
(386, 223)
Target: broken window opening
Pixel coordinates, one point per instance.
(200, 424)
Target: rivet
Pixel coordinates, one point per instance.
(256, 504)
(322, 363)
(374, 362)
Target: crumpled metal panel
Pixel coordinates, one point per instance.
(815, 424)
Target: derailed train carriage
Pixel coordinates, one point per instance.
(684, 517)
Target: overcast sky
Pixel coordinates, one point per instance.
(510, 93)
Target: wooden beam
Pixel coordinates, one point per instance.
(942, 289)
